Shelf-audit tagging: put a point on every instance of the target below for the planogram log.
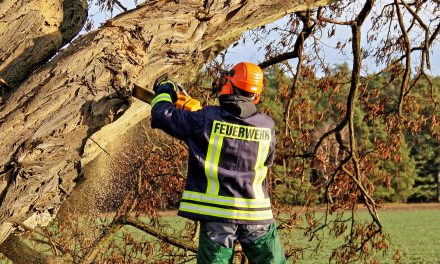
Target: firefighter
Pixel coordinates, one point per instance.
(231, 147)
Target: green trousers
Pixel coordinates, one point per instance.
(264, 250)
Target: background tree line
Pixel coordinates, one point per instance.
(405, 173)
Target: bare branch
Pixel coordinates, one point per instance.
(406, 75)
(434, 34)
(299, 45)
(118, 3)
(332, 21)
(279, 58)
(130, 220)
(55, 245)
(100, 243)
(364, 12)
(305, 33)
(425, 53)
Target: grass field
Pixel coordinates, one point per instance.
(416, 233)
(414, 230)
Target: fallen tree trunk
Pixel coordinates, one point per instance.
(31, 32)
(14, 249)
(48, 124)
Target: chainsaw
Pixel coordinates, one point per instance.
(184, 101)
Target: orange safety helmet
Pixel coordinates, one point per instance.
(245, 76)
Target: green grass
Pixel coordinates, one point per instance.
(414, 232)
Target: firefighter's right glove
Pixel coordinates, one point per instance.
(168, 87)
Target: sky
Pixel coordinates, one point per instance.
(252, 53)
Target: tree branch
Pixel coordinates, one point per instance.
(55, 245)
(100, 243)
(118, 3)
(307, 30)
(425, 53)
(332, 21)
(406, 75)
(434, 34)
(133, 221)
(279, 58)
(364, 12)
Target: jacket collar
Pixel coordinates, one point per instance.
(238, 105)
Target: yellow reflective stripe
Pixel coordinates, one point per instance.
(161, 98)
(211, 164)
(241, 132)
(225, 200)
(219, 131)
(225, 213)
(260, 169)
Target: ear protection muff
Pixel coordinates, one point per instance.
(227, 86)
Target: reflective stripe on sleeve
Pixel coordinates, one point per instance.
(163, 97)
(226, 201)
(226, 213)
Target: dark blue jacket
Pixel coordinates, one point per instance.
(228, 160)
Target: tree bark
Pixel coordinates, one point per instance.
(63, 116)
(32, 31)
(21, 253)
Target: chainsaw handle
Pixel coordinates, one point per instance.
(164, 77)
(160, 79)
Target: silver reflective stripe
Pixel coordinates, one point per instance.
(226, 213)
(227, 201)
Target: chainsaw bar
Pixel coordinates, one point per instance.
(143, 94)
(183, 101)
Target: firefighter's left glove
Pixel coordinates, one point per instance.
(168, 87)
